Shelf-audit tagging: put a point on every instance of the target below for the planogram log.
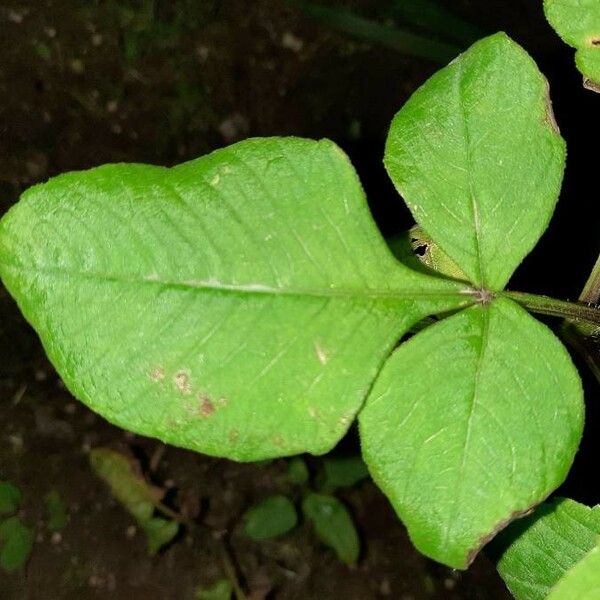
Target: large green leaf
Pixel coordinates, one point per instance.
(240, 304)
(582, 582)
(537, 551)
(477, 156)
(578, 24)
(471, 423)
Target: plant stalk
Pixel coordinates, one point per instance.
(577, 312)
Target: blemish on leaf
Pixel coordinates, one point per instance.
(488, 537)
(278, 440)
(222, 401)
(181, 380)
(550, 118)
(207, 408)
(321, 354)
(312, 412)
(215, 180)
(234, 434)
(590, 84)
(157, 374)
(151, 277)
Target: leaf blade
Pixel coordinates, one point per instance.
(577, 22)
(488, 388)
(582, 581)
(179, 295)
(534, 553)
(477, 157)
(270, 518)
(333, 525)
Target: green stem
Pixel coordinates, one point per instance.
(578, 312)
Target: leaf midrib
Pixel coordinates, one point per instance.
(255, 288)
(472, 196)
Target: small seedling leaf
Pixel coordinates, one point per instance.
(56, 510)
(271, 518)
(130, 488)
(477, 157)
(472, 422)
(239, 305)
(16, 542)
(297, 471)
(221, 590)
(10, 498)
(333, 525)
(577, 22)
(341, 472)
(535, 553)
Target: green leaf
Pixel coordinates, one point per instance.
(472, 422)
(333, 525)
(534, 553)
(577, 22)
(298, 471)
(239, 305)
(272, 517)
(478, 159)
(10, 498)
(582, 582)
(221, 590)
(57, 511)
(341, 472)
(137, 496)
(16, 542)
(159, 532)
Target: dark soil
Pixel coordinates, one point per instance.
(87, 82)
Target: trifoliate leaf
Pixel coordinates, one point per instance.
(472, 422)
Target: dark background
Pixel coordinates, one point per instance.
(88, 82)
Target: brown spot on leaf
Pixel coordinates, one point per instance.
(278, 440)
(207, 408)
(157, 374)
(181, 380)
(234, 434)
